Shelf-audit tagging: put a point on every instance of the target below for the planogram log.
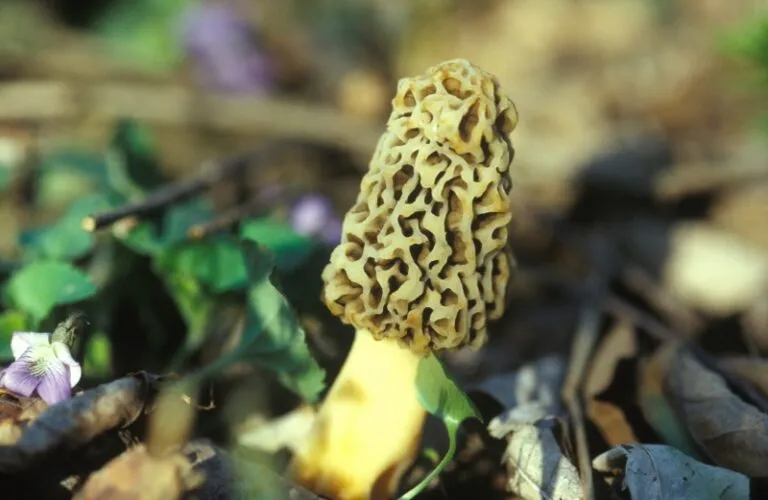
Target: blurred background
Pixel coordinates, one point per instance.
(214, 77)
(643, 129)
(634, 114)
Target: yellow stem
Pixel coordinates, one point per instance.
(369, 427)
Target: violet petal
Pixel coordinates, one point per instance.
(54, 386)
(18, 376)
(63, 354)
(21, 341)
(311, 214)
(331, 233)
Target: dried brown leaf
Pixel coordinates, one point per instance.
(612, 422)
(753, 370)
(537, 466)
(137, 475)
(620, 343)
(732, 432)
(285, 432)
(654, 405)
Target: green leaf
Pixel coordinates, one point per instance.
(132, 163)
(57, 189)
(66, 239)
(216, 263)
(88, 163)
(11, 321)
(153, 237)
(290, 248)
(441, 396)
(272, 336)
(98, 355)
(194, 305)
(42, 285)
(6, 176)
(142, 31)
(143, 239)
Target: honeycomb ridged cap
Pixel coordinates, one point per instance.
(424, 257)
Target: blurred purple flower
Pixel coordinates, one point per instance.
(313, 215)
(224, 49)
(42, 363)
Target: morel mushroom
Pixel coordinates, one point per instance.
(423, 266)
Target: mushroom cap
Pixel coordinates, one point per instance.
(424, 257)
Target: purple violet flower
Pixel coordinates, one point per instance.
(224, 49)
(313, 215)
(43, 364)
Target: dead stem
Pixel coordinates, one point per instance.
(212, 173)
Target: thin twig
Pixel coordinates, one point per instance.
(677, 313)
(603, 257)
(179, 106)
(584, 342)
(285, 195)
(212, 173)
(226, 220)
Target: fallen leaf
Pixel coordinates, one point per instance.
(517, 418)
(733, 433)
(658, 472)
(537, 467)
(654, 405)
(137, 475)
(611, 421)
(285, 432)
(536, 382)
(753, 370)
(619, 344)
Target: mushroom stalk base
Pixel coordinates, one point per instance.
(369, 427)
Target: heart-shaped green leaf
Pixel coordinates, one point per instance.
(153, 237)
(42, 285)
(272, 336)
(289, 247)
(441, 396)
(66, 239)
(217, 263)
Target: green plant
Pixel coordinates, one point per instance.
(153, 265)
